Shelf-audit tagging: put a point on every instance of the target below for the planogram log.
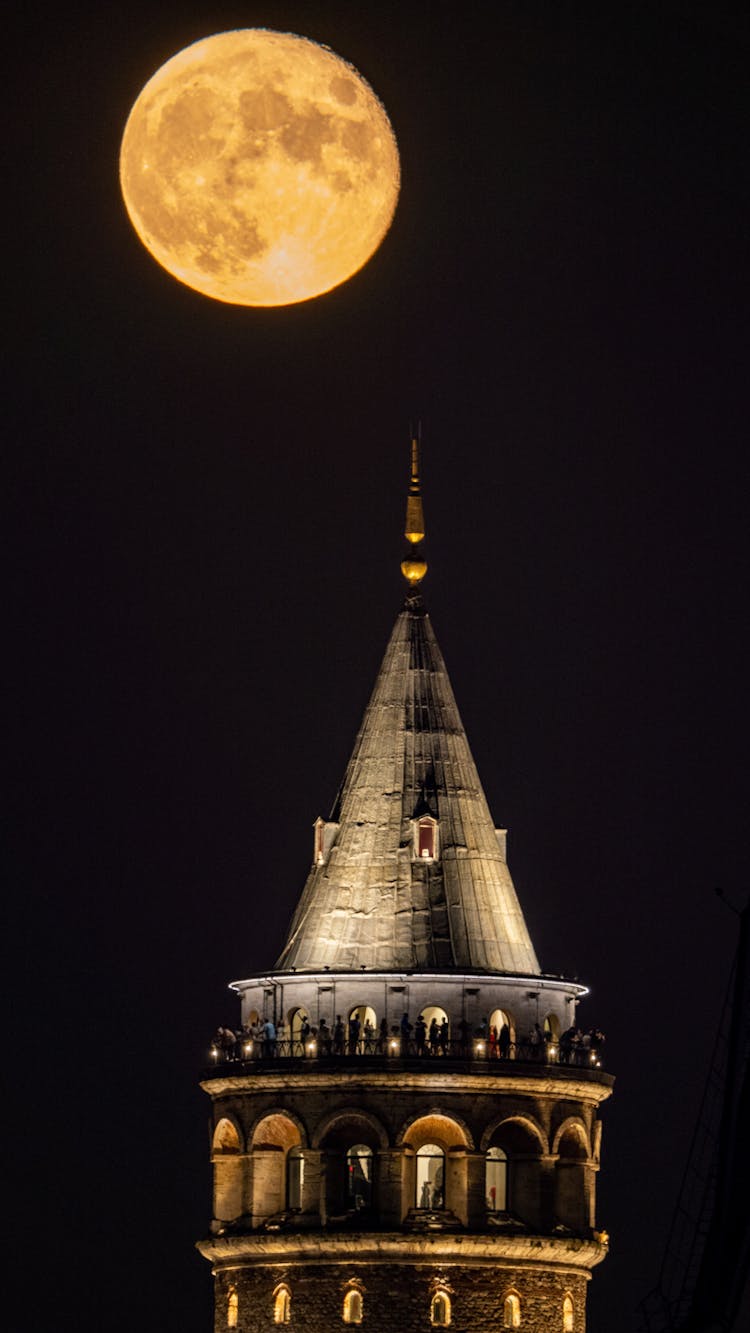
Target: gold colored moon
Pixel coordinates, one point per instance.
(259, 168)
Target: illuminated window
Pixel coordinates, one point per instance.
(512, 1311)
(568, 1315)
(426, 838)
(295, 1177)
(282, 1306)
(430, 1177)
(319, 845)
(353, 1307)
(359, 1176)
(232, 1308)
(440, 1309)
(496, 1180)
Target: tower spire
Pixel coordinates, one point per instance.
(414, 566)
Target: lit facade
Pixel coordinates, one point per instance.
(409, 1145)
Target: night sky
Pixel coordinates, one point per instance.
(206, 515)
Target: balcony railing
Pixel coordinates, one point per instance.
(249, 1053)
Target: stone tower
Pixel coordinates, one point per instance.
(401, 1139)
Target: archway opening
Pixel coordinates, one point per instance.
(501, 1034)
(299, 1027)
(435, 1035)
(496, 1180)
(359, 1164)
(226, 1139)
(362, 1029)
(430, 1176)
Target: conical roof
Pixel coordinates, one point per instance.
(371, 900)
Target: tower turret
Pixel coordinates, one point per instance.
(407, 1133)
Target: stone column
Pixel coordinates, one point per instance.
(390, 1201)
(476, 1191)
(455, 1183)
(229, 1177)
(311, 1181)
(547, 1190)
(268, 1183)
(331, 1184)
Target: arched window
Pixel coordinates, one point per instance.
(512, 1311)
(435, 1035)
(440, 1309)
(352, 1313)
(295, 1177)
(282, 1305)
(500, 1043)
(359, 1176)
(362, 1033)
(496, 1180)
(298, 1019)
(568, 1314)
(430, 1177)
(233, 1305)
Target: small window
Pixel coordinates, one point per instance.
(568, 1315)
(430, 1176)
(496, 1180)
(233, 1306)
(426, 838)
(282, 1306)
(359, 1176)
(440, 1309)
(512, 1311)
(353, 1307)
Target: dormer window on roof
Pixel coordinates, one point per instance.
(426, 838)
(325, 832)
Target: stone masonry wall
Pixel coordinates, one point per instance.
(397, 1298)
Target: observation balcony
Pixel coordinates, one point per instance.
(396, 1055)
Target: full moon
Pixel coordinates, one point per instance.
(259, 168)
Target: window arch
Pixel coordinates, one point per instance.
(282, 1305)
(430, 1176)
(496, 1180)
(233, 1305)
(568, 1313)
(440, 1309)
(352, 1312)
(359, 1160)
(512, 1310)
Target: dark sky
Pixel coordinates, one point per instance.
(206, 508)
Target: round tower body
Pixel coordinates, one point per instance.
(383, 1156)
(405, 1132)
